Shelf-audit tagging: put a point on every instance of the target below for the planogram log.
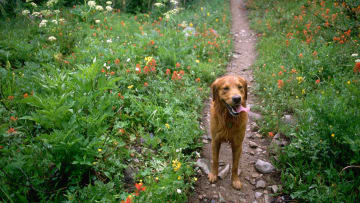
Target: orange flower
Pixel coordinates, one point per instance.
(26, 95)
(315, 53)
(271, 134)
(293, 70)
(94, 34)
(301, 55)
(146, 70)
(197, 79)
(146, 84)
(138, 68)
(152, 42)
(121, 131)
(103, 70)
(112, 73)
(13, 118)
(280, 84)
(177, 65)
(280, 73)
(11, 130)
(10, 98)
(117, 61)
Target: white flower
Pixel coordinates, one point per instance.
(36, 14)
(109, 41)
(92, 4)
(57, 11)
(52, 38)
(97, 21)
(43, 23)
(178, 191)
(108, 8)
(45, 12)
(55, 21)
(99, 8)
(109, 2)
(25, 12)
(33, 4)
(357, 61)
(158, 5)
(94, 60)
(51, 3)
(354, 55)
(127, 60)
(62, 20)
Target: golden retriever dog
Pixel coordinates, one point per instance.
(228, 119)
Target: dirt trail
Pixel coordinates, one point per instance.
(244, 55)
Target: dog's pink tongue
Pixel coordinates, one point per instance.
(241, 108)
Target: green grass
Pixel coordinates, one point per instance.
(76, 112)
(305, 68)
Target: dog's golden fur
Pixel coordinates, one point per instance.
(226, 127)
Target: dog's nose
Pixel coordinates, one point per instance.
(236, 99)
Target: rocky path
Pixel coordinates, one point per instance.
(259, 180)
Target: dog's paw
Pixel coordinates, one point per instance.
(212, 177)
(236, 184)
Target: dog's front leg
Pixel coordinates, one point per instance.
(215, 147)
(236, 152)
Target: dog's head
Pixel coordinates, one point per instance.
(230, 91)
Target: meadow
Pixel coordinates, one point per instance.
(102, 105)
(308, 67)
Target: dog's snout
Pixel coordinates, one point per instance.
(236, 99)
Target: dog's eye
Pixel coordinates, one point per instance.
(240, 86)
(226, 88)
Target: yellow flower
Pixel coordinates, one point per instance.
(197, 61)
(99, 150)
(332, 135)
(208, 14)
(348, 82)
(167, 125)
(157, 179)
(130, 86)
(148, 59)
(179, 177)
(176, 165)
(299, 79)
(201, 8)
(217, 20)
(191, 25)
(195, 179)
(303, 91)
(94, 163)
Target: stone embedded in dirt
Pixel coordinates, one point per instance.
(288, 119)
(206, 137)
(213, 185)
(205, 141)
(254, 175)
(255, 201)
(267, 199)
(258, 135)
(254, 116)
(260, 184)
(223, 173)
(259, 149)
(201, 197)
(277, 136)
(258, 195)
(254, 127)
(264, 167)
(221, 198)
(252, 144)
(252, 153)
(204, 164)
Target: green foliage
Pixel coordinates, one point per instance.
(89, 95)
(307, 67)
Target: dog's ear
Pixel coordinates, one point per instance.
(215, 89)
(245, 83)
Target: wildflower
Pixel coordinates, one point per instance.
(109, 2)
(146, 69)
(179, 178)
(11, 130)
(112, 73)
(208, 14)
(303, 91)
(138, 68)
(332, 135)
(197, 61)
(109, 41)
(13, 118)
(62, 20)
(25, 12)
(51, 3)
(300, 79)
(280, 84)
(108, 8)
(195, 179)
(176, 165)
(117, 61)
(33, 4)
(130, 86)
(317, 81)
(26, 95)
(43, 23)
(315, 53)
(167, 125)
(168, 71)
(52, 38)
(301, 55)
(197, 79)
(201, 8)
(99, 150)
(191, 25)
(146, 84)
(36, 14)
(357, 67)
(10, 98)
(271, 134)
(99, 8)
(348, 82)
(178, 191)
(56, 11)
(177, 65)
(91, 4)
(55, 22)
(354, 55)
(94, 163)
(97, 21)
(158, 5)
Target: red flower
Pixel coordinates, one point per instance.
(197, 79)
(146, 70)
(117, 61)
(177, 65)
(112, 73)
(280, 73)
(138, 68)
(152, 42)
(10, 97)
(357, 67)
(11, 130)
(26, 95)
(103, 70)
(168, 71)
(119, 95)
(317, 81)
(13, 118)
(146, 84)
(280, 84)
(271, 134)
